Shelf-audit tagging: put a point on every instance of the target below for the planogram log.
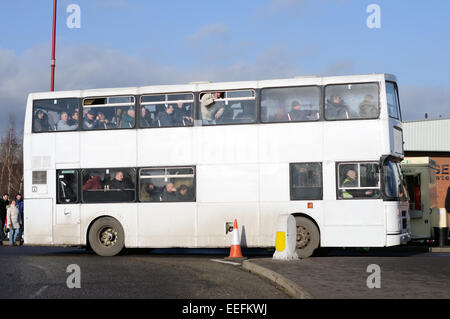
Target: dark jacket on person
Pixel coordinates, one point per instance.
(116, 184)
(3, 207)
(127, 121)
(167, 196)
(41, 125)
(297, 115)
(166, 119)
(146, 121)
(180, 116)
(336, 111)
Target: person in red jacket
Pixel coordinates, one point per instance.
(94, 182)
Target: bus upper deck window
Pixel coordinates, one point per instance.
(55, 115)
(290, 104)
(352, 101)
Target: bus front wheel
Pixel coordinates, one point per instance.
(106, 237)
(308, 237)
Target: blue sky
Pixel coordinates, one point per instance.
(140, 42)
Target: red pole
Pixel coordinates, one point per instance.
(53, 46)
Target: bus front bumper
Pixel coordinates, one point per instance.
(397, 239)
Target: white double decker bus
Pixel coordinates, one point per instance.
(172, 166)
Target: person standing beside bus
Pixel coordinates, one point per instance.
(14, 223)
(3, 204)
(19, 204)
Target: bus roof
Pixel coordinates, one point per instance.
(207, 85)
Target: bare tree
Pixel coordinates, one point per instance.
(11, 160)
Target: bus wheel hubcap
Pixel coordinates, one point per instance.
(108, 237)
(303, 237)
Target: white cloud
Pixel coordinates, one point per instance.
(81, 67)
(418, 100)
(208, 33)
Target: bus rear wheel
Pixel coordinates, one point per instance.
(106, 237)
(308, 237)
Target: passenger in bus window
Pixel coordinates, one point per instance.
(63, 123)
(169, 193)
(367, 108)
(90, 121)
(150, 193)
(183, 194)
(102, 121)
(336, 109)
(211, 109)
(280, 115)
(128, 119)
(166, 118)
(119, 183)
(296, 113)
(183, 115)
(74, 118)
(94, 182)
(41, 122)
(146, 119)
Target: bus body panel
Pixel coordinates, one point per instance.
(167, 225)
(67, 225)
(67, 148)
(97, 151)
(212, 219)
(353, 236)
(38, 222)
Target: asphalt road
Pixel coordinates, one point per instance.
(41, 272)
(344, 274)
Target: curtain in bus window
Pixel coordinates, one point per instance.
(293, 104)
(167, 110)
(167, 184)
(55, 115)
(109, 185)
(115, 112)
(306, 181)
(228, 107)
(352, 101)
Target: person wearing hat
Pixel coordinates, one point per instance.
(296, 114)
(89, 120)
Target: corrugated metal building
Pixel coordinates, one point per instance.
(427, 136)
(431, 138)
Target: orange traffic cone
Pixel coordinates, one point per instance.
(235, 251)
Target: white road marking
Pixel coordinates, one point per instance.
(225, 262)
